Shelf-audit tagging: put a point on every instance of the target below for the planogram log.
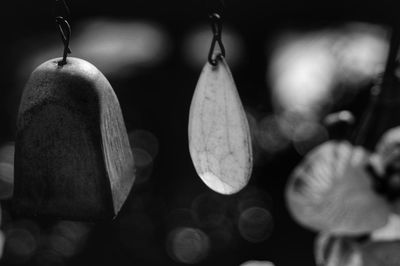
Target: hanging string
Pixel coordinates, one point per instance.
(216, 26)
(61, 15)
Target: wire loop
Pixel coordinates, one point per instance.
(216, 27)
(64, 29)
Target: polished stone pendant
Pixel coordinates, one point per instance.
(219, 135)
(72, 155)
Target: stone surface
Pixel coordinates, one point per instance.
(72, 154)
(219, 135)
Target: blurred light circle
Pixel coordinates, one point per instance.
(2, 242)
(143, 165)
(308, 135)
(6, 180)
(68, 237)
(290, 121)
(145, 140)
(197, 45)
(20, 244)
(209, 210)
(361, 51)
(253, 196)
(115, 46)
(62, 245)
(7, 170)
(270, 137)
(188, 245)
(118, 48)
(302, 74)
(257, 263)
(255, 224)
(7, 153)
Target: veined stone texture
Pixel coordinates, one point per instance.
(219, 135)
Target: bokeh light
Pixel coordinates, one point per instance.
(255, 224)
(188, 245)
(310, 71)
(6, 180)
(144, 149)
(7, 170)
(68, 238)
(257, 263)
(361, 51)
(2, 242)
(308, 135)
(143, 165)
(198, 42)
(118, 48)
(7, 151)
(145, 140)
(20, 245)
(302, 72)
(270, 137)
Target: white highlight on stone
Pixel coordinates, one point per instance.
(219, 134)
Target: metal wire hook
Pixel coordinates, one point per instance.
(65, 33)
(216, 27)
(63, 27)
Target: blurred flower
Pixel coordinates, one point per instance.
(336, 251)
(331, 191)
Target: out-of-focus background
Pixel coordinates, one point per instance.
(294, 62)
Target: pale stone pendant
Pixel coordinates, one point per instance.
(219, 135)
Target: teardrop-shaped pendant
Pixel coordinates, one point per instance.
(219, 135)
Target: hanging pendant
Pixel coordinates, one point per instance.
(72, 155)
(219, 135)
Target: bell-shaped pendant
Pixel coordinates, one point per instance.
(72, 155)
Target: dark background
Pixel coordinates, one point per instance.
(158, 101)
